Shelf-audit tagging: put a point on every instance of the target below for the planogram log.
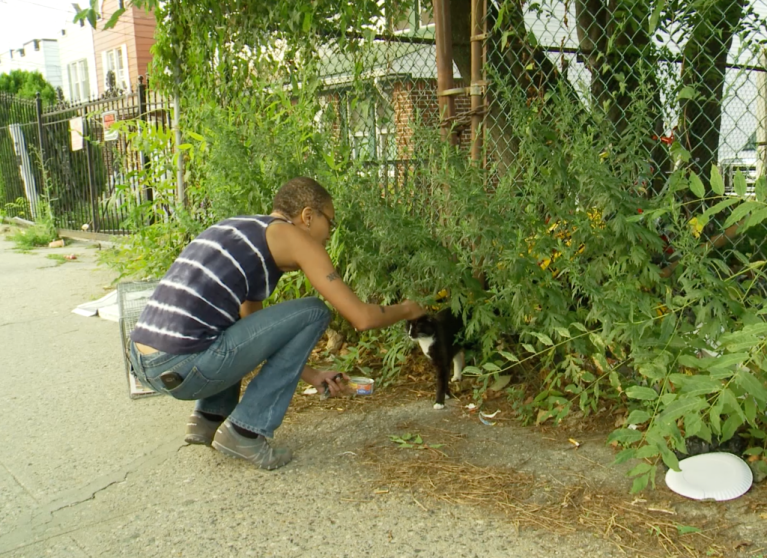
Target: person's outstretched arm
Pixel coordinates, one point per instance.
(292, 247)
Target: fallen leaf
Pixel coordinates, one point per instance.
(500, 383)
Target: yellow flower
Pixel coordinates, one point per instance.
(695, 227)
(595, 216)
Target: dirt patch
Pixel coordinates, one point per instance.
(639, 526)
(534, 477)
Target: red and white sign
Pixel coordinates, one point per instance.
(109, 118)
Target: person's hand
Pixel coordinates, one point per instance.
(321, 378)
(413, 309)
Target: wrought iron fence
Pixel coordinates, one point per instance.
(20, 176)
(67, 157)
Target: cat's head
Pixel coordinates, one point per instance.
(425, 326)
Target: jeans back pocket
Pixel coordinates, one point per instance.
(194, 386)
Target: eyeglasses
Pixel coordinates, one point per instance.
(331, 222)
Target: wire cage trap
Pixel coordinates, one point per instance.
(131, 299)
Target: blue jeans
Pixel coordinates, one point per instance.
(283, 335)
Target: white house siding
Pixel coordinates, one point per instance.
(76, 45)
(44, 59)
(52, 64)
(740, 111)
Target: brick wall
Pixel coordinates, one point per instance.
(418, 99)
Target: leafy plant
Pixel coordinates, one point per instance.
(579, 268)
(44, 230)
(58, 258)
(160, 226)
(705, 375)
(412, 441)
(26, 85)
(33, 237)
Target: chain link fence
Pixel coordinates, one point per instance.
(694, 75)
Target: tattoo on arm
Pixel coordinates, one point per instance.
(383, 310)
(333, 276)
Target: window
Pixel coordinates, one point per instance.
(370, 127)
(79, 86)
(116, 61)
(420, 20)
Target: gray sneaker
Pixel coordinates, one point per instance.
(256, 450)
(200, 430)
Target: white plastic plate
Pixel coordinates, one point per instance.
(714, 476)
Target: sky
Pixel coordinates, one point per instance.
(24, 20)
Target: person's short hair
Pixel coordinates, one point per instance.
(298, 193)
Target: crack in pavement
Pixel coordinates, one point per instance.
(68, 531)
(78, 545)
(59, 516)
(18, 482)
(91, 497)
(29, 321)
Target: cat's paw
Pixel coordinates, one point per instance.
(439, 406)
(456, 378)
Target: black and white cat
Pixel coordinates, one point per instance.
(437, 334)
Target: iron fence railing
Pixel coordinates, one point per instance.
(20, 171)
(67, 157)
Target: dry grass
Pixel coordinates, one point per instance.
(643, 526)
(636, 526)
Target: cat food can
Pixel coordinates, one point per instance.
(361, 385)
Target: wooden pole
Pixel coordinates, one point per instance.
(477, 88)
(180, 190)
(444, 40)
(761, 116)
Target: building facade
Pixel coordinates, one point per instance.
(78, 61)
(37, 55)
(124, 49)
